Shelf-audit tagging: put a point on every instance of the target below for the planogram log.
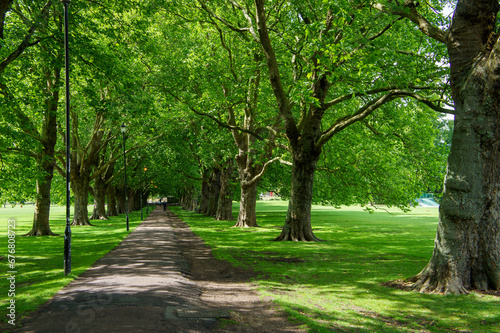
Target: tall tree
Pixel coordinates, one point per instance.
(219, 77)
(467, 246)
(330, 65)
(33, 29)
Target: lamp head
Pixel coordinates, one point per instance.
(123, 128)
(66, 2)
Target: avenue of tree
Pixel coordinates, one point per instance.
(334, 102)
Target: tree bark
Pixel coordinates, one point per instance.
(81, 188)
(210, 190)
(247, 216)
(225, 204)
(120, 200)
(99, 212)
(41, 225)
(205, 194)
(46, 159)
(214, 192)
(467, 246)
(248, 174)
(111, 201)
(298, 220)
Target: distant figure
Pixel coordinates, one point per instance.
(164, 205)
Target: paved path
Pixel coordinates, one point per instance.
(140, 286)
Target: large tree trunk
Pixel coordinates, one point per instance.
(99, 212)
(225, 204)
(131, 200)
(110, 193)
(247, 216)
(81, 188)
(247, 174)
(467, 246)
(205, 195)
(214, 192)
(210, 190)
(41, 225)
(120, 199)
(298, 220)
(46, 159)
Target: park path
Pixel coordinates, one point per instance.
(142, 285)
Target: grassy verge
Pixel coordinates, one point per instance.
(335, 285)
(39, 260)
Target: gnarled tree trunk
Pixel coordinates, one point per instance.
(210, 190)
(247, 216)
(298, 220)
(225, 204)
(81, 188)
(41, 225)
(214, 192)
(99, 212)
(110, 193)
(46, 159)
(467, 246)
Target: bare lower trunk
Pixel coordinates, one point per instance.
(248, 201)
(204, 199)
(213, 199)
(41, 225)
(81, 189)
(298, 220)
(210, 194)
(225, 204)
(120, 200)
(467, 246)
(99, 212)
(46, 159)
(131, 200)
(111, 201)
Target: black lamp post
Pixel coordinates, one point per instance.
(67, 231)
(147, 197)
(124, 130)
(140, 190)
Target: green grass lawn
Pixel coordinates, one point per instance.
(334, 286)
(39, 260)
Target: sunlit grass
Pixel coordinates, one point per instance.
(334, 285)
(39, 260)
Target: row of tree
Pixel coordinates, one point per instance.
(344, 98)
(106, 92)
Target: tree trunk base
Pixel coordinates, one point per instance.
(37, 233)
(82, 223)
(301, 237)
(429, 284)
(245, 224)
(99, 218)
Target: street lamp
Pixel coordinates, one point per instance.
(124, 130)
(147, 203)
(67, 231)
(140, 191)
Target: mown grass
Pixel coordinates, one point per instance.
(39, 260)
(334, 285)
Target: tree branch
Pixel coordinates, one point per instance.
(274, 74)
(409, 10)
(26, 41)
(218, 121)
(261, 173)
(361, 114)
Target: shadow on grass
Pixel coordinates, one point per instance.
(335, 285)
